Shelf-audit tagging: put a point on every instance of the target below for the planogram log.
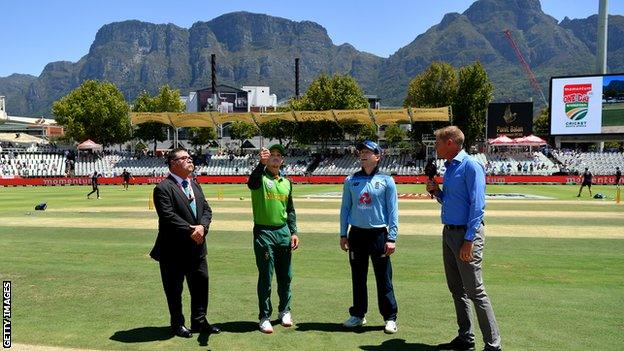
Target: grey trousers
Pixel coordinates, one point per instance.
(465, 282)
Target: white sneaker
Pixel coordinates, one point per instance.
(265, 326)
(286, 318)
(390, 327)
(354, 321)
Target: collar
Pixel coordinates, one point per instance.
(179, 179)
(459, 158)
(363, 173)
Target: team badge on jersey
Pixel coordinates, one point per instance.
(270, 184)
(365, 199)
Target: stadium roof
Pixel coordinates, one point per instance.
(366, 116)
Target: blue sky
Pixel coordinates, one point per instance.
(34, 33)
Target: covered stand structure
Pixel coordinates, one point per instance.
(89, 145)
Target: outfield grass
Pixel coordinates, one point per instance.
(96, 288)
(613, 115)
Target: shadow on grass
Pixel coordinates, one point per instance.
(335, 327)
(142, 334)
(238, 326)
(202, 339)
(399, 344)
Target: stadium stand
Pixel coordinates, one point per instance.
(597, 162)
(26, 163)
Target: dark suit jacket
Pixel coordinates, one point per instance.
(175, 216)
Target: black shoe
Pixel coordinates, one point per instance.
(182, 332)
(490, 349)
(458, 344)
(205, 328)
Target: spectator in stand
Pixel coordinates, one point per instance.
(587, 181)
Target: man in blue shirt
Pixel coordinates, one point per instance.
(370, 207)
(463, 206)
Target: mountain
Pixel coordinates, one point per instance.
(256, 49)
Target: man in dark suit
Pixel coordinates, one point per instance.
(183, 220)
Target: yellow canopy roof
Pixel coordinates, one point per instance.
(210, 119)
(221, 118)
(386, 117)
(266, 117)
(198, 119)
(143, 117)
(361, 115)
(308, 116)
(439, 114)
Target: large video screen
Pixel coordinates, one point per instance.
(587, 105)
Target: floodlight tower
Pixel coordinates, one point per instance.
(601, 47)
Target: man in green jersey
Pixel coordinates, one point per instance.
(275, 234)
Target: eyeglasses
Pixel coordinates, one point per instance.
(183, 158)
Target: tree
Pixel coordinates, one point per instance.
(474, 93)
(242, 131)
(394, 135)
(167, 100)
(202, 136)
(541, 125)
(357, 130)
(338, 92)
(318, 131)
(151, 130)
(282, 130)
(95, 110)
(435, 87)
(468, 91)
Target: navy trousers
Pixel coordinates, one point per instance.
(365, 243)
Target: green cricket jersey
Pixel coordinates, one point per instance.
(271, 199)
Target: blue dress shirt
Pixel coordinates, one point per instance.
(463, 193)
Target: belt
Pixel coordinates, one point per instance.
(455, 226)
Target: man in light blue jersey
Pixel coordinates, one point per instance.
(463, 206)
(369, 223)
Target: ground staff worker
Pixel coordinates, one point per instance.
(275, 234)
(370, 208)
(463, 206)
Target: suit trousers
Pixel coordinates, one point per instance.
(465, 282)
(196, 274)
(365, 243)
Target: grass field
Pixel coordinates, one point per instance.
(81, 276)
(613, 114)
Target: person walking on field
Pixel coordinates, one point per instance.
(369, 223)
(126, 176)
(94, 184)
(587, 181)
(274, 234)
(463, 238)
